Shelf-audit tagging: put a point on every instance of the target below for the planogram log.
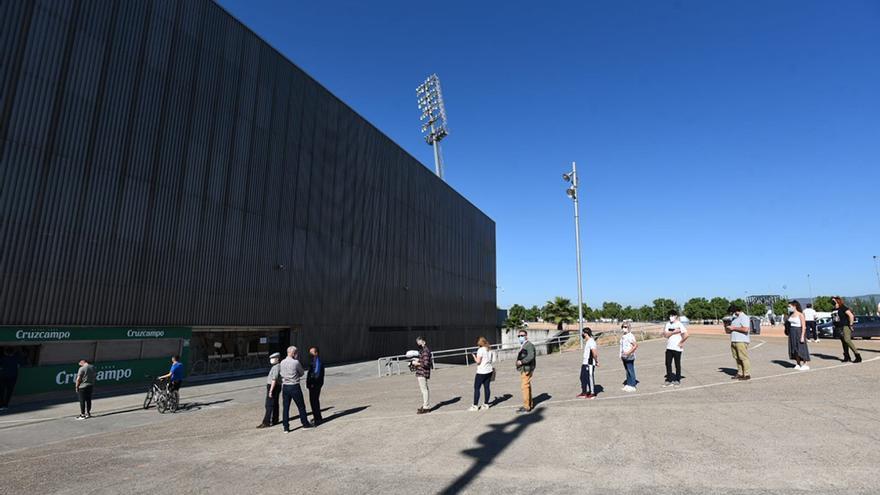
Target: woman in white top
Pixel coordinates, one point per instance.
(796, 327)
(628, 346)
(484, 359)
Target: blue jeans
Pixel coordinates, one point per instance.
(630, 366)
(295, 393)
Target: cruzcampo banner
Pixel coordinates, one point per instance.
(63, 376)
(25, 334)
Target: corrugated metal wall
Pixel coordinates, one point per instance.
(160, 163)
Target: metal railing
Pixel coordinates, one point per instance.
(390, 365)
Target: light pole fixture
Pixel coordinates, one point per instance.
(572, 192)
(434, 117)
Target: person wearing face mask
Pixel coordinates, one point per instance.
(796, 327)
(423, 374)
(525, 364)
(628, 346)
(738, 329)
(588, 366)
(273, 391)
(675, 334)
(843, 319)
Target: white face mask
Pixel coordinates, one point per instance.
(790, 309)
(625, 329)
(522, 339)
(273, 361)
(671, 319)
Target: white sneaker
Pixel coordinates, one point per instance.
(484, 407)
(474, 408)
(629, 389)
(805, 368)
(797, 367)
(80, 417)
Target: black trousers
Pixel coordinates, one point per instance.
(670, 357)
(85, 400)
(293, 393)
(315, 402)
(272, 406)
(7, 385)
(812, 333)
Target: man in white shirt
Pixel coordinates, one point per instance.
(675, 333)
(738, 329)
(588, 368)
(810, 318)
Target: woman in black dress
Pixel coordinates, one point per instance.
(796, 327)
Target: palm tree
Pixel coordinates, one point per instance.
(560, 311)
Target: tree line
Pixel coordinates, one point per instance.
(560, 310)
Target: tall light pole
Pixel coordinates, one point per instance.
(877, 269)
(810, 287)
(572, 193)
(434, 117)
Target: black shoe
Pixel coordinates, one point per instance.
(317, 422)
(858, 358)
(262, 425)
(523, 410)
(846, 359)
(746, 377)
(287, 430)
(422, 410)
(308, 425)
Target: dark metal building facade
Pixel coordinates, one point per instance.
(161, 165)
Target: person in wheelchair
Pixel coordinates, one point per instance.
(174, 375)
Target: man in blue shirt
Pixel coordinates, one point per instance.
(174, 375)
(314, 382)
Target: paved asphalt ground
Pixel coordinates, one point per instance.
(782, 432)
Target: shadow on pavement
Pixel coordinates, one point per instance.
(195, 406)
(826, 357)
(862, 349)
(337, 415)
(784, 364)
(492, 443)
(499, 400)
(540, 398)
(292, 407)
(445, 403)
(728, 371)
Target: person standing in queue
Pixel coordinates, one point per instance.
(291, 376)
(796, 326)
(810, 318)
(675, 333)
(628, 346)
(85, 387)
(484, 358)
(423, 373)
(273, 392)
(588, 366)
(525, 364)
(738, 329)
(843, 320)
(314, 382)
(9, 365)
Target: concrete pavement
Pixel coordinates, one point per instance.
(782, 432)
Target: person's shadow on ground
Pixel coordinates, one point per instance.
(784, 364)
(339, 414)
(445, 403)
(827, 357)
(728, 371)
(492, 444)
(195, 406)
(499, 400)
(544, 397)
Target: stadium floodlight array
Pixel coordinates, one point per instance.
(430, 98)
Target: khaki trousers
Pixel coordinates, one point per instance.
(740, 351)
(525, 379)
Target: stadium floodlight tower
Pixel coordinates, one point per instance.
(434, 117)
(572, 193)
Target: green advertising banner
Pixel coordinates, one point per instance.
(24, 334)
(60, 377)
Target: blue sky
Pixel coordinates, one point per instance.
(698, 128)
